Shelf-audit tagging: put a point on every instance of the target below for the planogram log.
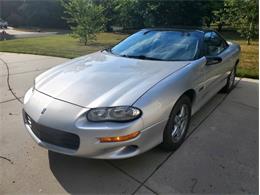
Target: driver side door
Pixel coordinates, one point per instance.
(215, 74)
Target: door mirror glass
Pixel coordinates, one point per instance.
(213, 60)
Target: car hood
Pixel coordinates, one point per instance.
(102, 79)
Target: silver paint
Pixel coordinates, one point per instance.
(68, 91)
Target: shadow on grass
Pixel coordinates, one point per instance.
(235, 36)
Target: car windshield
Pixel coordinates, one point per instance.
(159, 45)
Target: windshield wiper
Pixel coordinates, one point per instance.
(107, 49)
(141, 57)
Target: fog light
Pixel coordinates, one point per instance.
(119, 138)
(28, 120)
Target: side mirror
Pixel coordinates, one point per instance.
(211, 60)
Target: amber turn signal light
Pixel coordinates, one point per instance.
(119, 138)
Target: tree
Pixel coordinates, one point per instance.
(84, 17)
(127, 15)
(108, 12)
(209, 10)
(47, 13)
(162, 13)
(242, 15)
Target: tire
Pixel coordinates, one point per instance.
(177, 125)
(230, 81)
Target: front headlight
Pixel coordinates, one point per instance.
(29, 93)
(27, 96)
(33, 87)
(116, 114)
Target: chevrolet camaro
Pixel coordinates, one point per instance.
(122, 101)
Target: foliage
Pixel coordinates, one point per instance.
(66, 46)
(47, 13)
(60, 45)
(209, 9)
(84, 17)
(150, 13)
(127, 14)
(242, 15)
(108, 13)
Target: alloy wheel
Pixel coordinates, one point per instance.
(180, 123)
(232, 78)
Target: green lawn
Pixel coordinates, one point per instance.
(59, 45)
(68, 47)
(249, 59)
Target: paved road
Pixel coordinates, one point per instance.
(219, 156)
(15, 34)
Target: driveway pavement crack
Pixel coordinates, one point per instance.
(9, 160)
(30, 60)
(121, 170)
(10, 100)
(195, 181)
(171, 153)
(25, 72)
(8, 81)
(124, 172)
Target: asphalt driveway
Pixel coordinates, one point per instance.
(13, 33)
(220, 154)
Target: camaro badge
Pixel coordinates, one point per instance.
(43, 111)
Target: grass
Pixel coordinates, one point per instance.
(59, 45)
(68, 47)
(249, 58)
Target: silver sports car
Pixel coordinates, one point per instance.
(123, 101)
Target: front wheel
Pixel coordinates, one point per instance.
(178, 124)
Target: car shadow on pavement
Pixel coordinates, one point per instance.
(82, 175)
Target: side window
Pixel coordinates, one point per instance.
(214, 44)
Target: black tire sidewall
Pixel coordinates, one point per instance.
(227, 88)
(168, 143)
(235, 72)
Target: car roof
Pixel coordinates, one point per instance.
(180, 28)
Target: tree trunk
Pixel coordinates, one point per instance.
(248, 41)
(220, 25)
(249, 35)
(85, 41)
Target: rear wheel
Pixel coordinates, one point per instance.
(230, 81)
(178, 124)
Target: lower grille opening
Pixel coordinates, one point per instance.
(53, 136)
(129, 149)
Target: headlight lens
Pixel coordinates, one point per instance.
(33, 87)
(27, 95)
(117, 114)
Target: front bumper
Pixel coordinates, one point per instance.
(63, 128)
